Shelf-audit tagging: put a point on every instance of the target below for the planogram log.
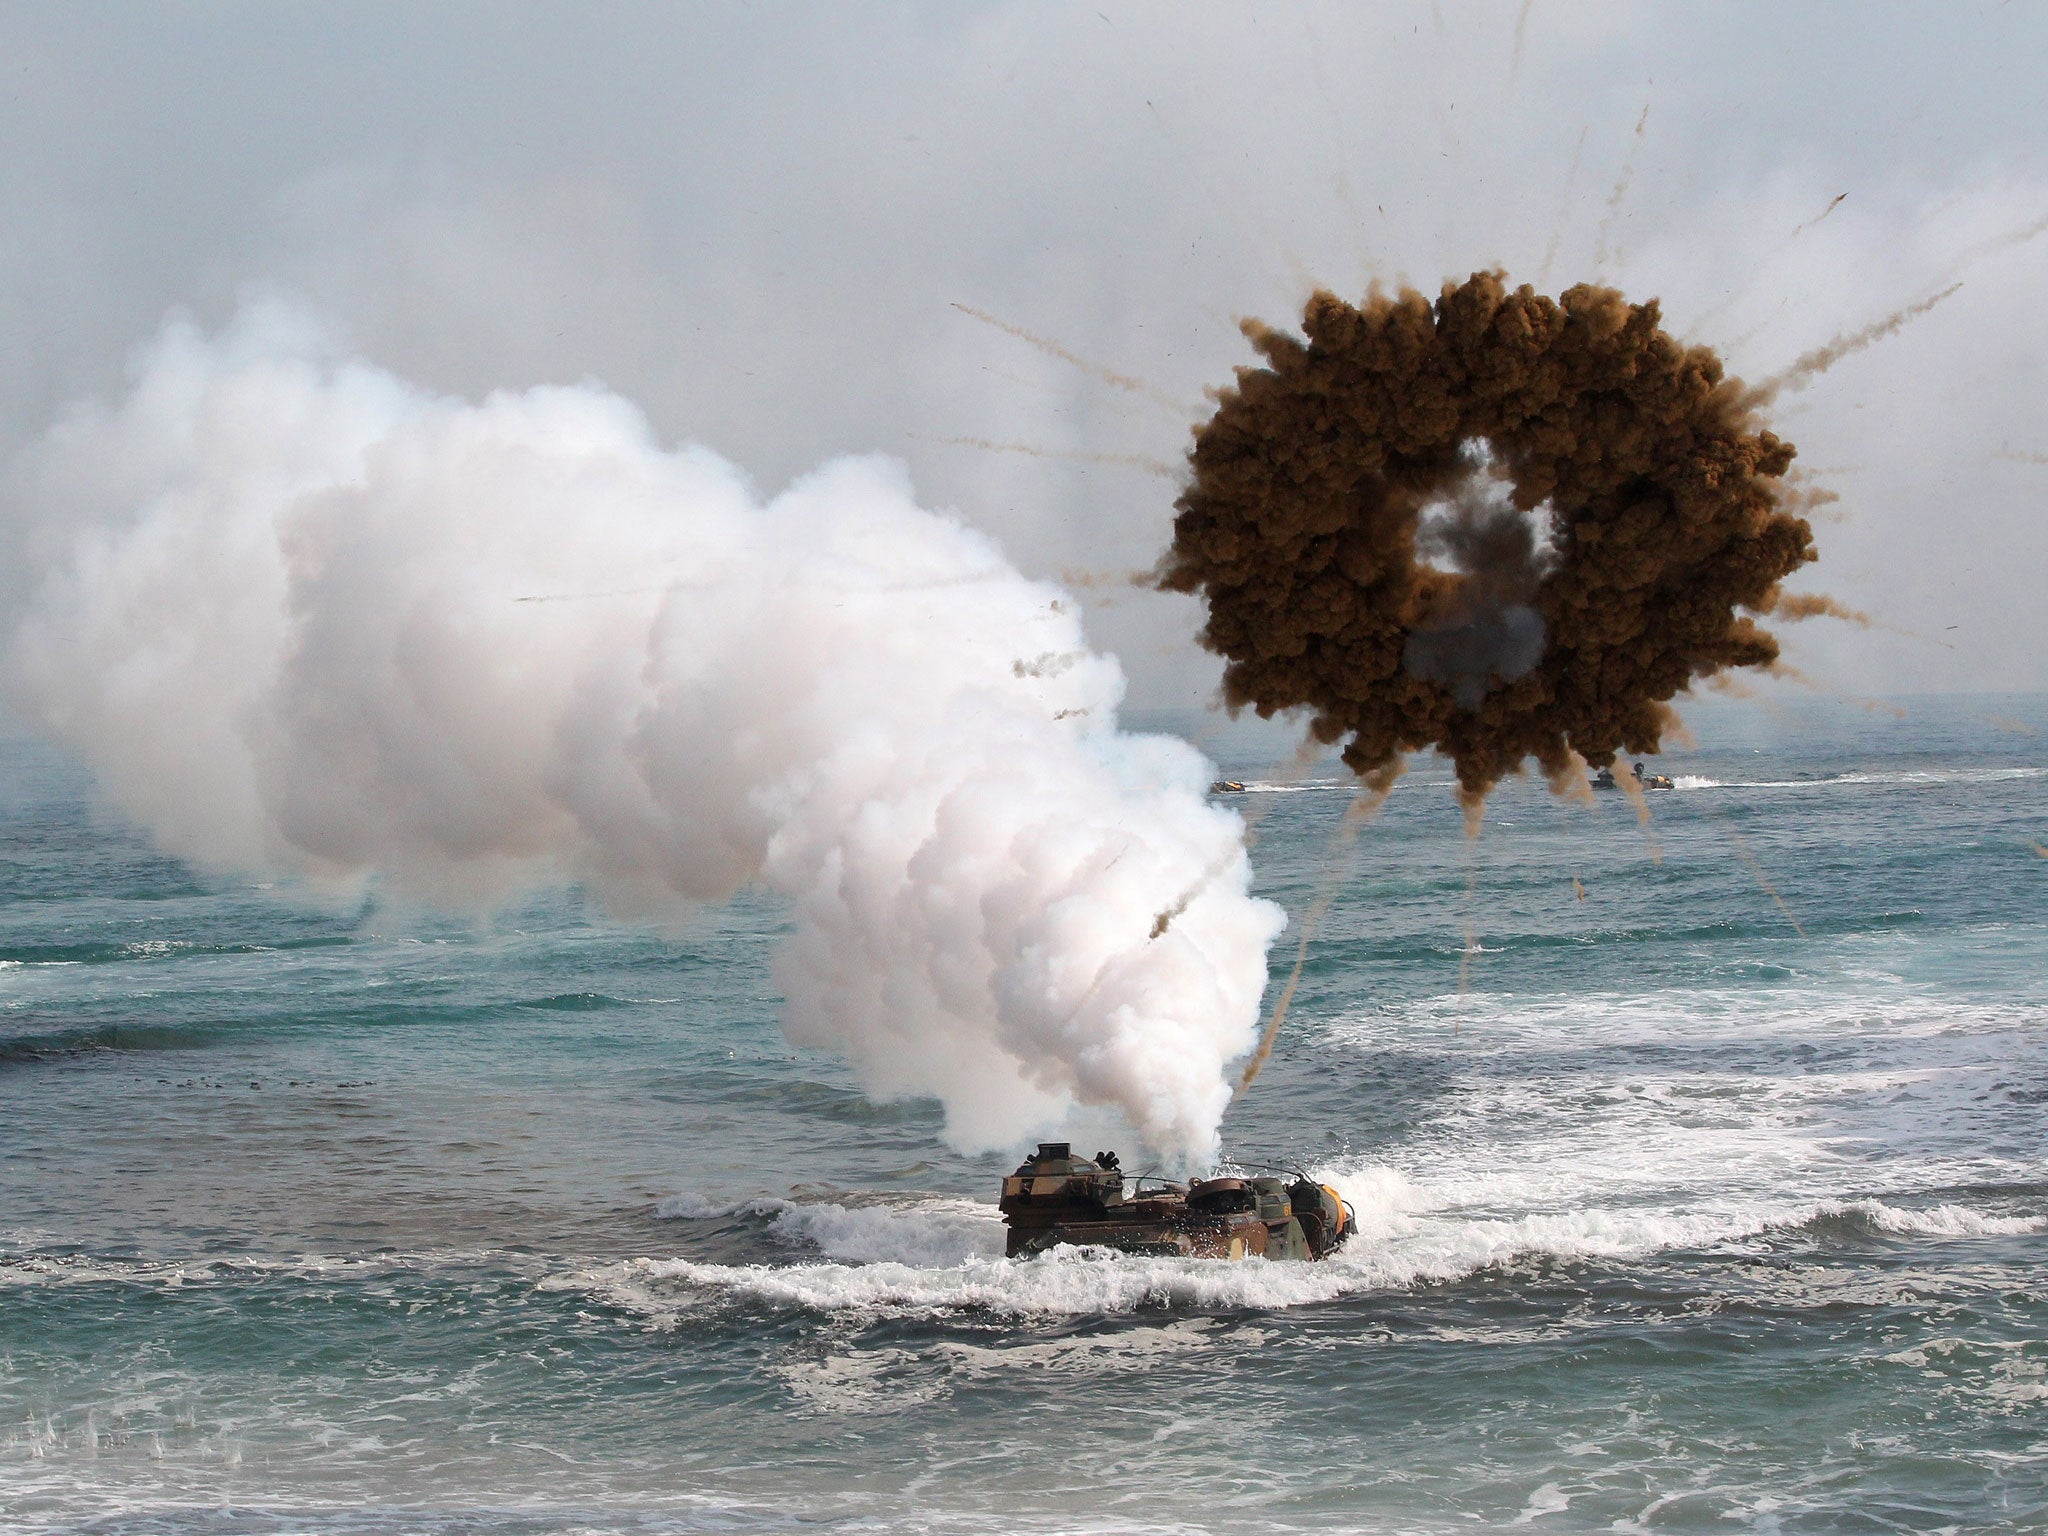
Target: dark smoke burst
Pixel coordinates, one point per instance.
(1600, 499)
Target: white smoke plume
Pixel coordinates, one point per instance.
(301, 616)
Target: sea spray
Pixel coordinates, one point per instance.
(301, 616)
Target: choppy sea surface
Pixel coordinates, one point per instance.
(1701, 1171)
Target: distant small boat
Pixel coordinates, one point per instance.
(1605, 779)
(1227, 787)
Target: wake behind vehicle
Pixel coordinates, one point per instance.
(1057, 1198)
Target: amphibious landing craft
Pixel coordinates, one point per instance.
(1056, 1197)
(1605, 779)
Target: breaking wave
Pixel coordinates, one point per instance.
(916, 1257)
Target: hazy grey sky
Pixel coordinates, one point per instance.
(756, 221)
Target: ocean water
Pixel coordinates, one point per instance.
(1701, 1171)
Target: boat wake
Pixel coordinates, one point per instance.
(1903, 778)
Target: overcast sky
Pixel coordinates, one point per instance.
(757, 221)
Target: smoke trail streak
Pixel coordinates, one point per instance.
(1564, 210)
(1793, 608)
(2021, 456)
(1833, 204)
(1255, 233)
(1811, 365)
(575, 597)
(1142, 461)
(277, 621)
(1791, 674)
(1620, 192)
(2033, 229)
(1124, 381)
(2007, 725)
(1078, 579)
(1339, 182)
(1743, 290)
(1467, 926)
(1810, 501)
(1818, 361)
(669, 588)
(1756, 868)
(1639, 800)
(1363, 808)
(1521, 37)
(1186, 899)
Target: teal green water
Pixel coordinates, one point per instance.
(1675, 1216)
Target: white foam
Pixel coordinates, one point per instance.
(928, 1234)
(865, 1379)
(913, 1229)
(45, 1269)
(942, 1256)
(1543, 1147)
(1948, 1220)
(1548, 1499)
(1911, 778)
(689, 1205)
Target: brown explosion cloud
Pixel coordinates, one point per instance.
(1502, 525)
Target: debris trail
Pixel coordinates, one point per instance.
(1142, 461)
(1334, 125)
(1756, 868)
(1363, 807)
(1564, 210)
(1742, 290)
(2007, 725)
(1470, 947)
(1811, 365)
(1793, 608)
(1835, 203)
(1601, 504)
(1639, 800)
(1619, 195)
(1081, 579)
(1791, 674)
(1770, 890)
(1124, 381)
(2033, 229)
